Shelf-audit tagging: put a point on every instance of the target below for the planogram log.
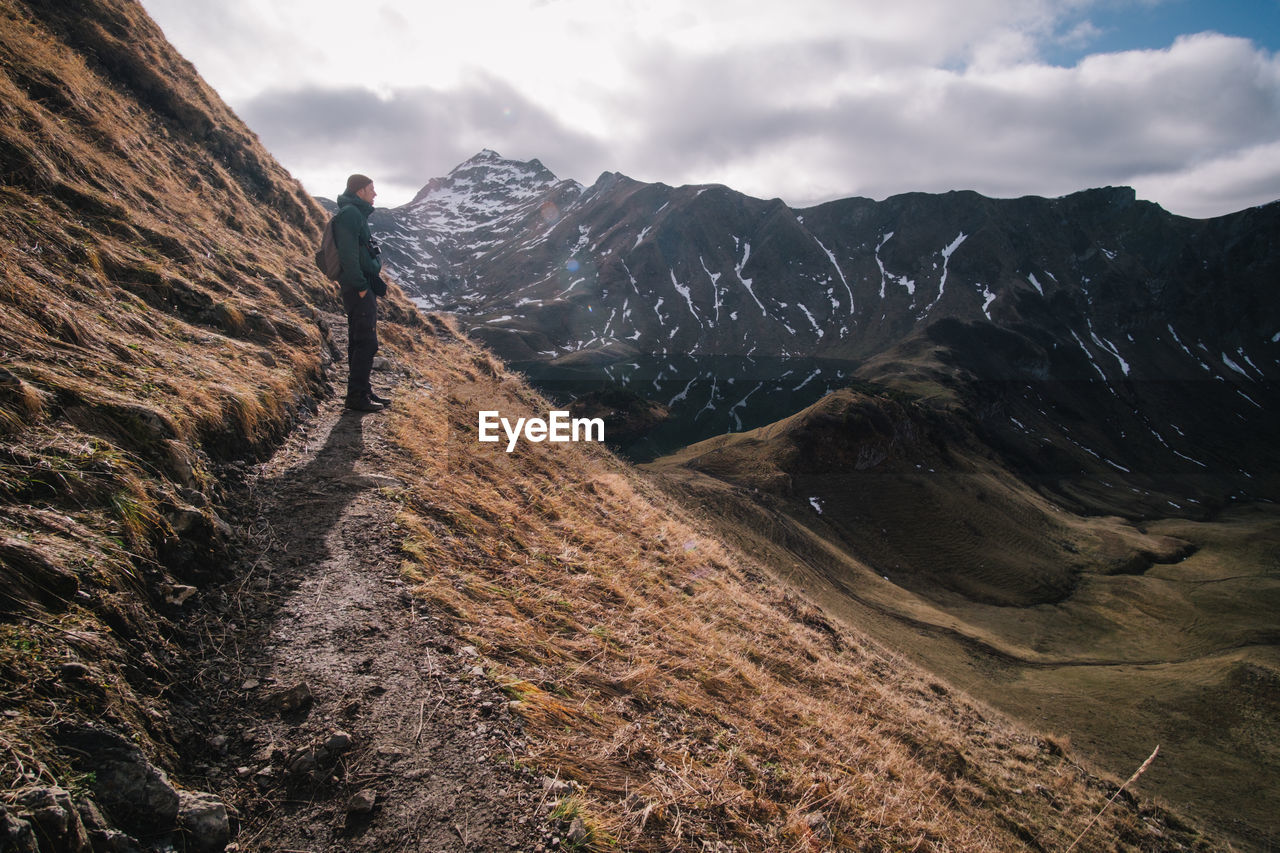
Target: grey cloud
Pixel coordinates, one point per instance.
(697, 112)
(411, 135)
(1030, 129)
(759, 112)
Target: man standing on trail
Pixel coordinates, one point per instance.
(361, 286)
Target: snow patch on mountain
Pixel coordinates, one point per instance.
(1110, 348)
(746, 282)
(987, 298)
(946, 260)
(1227, 360)
(715, 289)
(831, 256)
(816, 328)
(886, 276)
(688, 297)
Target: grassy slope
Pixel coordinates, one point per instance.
(156, 322)
(693, 698)
(1121, 637)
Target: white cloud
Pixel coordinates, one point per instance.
(1234, 181)
(1012, 130)
(401, 137)
(810, 100)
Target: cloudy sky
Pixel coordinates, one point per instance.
(807, 100)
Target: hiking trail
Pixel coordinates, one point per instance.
(344, 716)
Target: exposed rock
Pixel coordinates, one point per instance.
(104, 837)
(362, 802)
(265, 778)
(296, 698)
(578, 832)
(554, 786)
(53, 816)
(15, 832)
(316, 763)
(337, 743)
(133, 792)
(73, 671)
(305, 765)
(178, 594)
(205, 819)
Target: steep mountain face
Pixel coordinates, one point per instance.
(1089, 335)
(453, 220)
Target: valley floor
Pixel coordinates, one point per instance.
(1181, 653)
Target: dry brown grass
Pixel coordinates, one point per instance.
(693, 700)
(156, 321)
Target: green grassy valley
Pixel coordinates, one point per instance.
(1116, 635)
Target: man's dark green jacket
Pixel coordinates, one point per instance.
(360, 267)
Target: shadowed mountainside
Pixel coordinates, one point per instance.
(1122, 357)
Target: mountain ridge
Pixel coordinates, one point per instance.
(1093, 307)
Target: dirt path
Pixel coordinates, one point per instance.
(348, 719)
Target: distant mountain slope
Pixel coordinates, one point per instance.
(1089, 335)
(649, 269)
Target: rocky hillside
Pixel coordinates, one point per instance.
(160, 337)
(624, 268)
(477, 206)
(159, 333)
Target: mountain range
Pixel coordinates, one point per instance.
(1109, 349)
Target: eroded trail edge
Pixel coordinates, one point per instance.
(346, 717)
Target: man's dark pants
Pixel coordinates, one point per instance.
(362, 341)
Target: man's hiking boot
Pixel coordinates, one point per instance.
(379, 399)
(364, 404)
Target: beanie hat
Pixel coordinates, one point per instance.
(355, 183)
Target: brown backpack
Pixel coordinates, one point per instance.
(327, 257)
